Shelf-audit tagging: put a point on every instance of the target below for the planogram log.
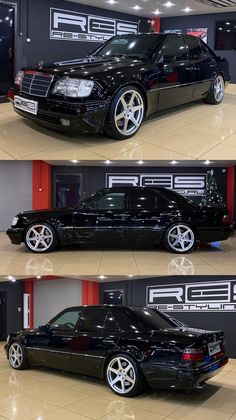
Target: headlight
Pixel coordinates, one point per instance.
(15, 221)
(19, 78)
(74, 88)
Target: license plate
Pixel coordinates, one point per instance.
(214, 348)
(26, 105)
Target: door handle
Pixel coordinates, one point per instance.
(108, 341)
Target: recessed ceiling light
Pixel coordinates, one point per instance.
(168, 4)
(187, 10)
(136, 7)
(157, 12)
(102, 277)
(207, 162)
(140, 162)
(130, 275)
(74, 161)
(111, 1)
(227, 23)
(108, 162)
(228, 30)
(220, 29)
(38, 277)
(174, 162)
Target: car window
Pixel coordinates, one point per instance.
(125, 322)
(150, 319)
(142, 200)
(97, 320)
(194, 48)
(66, 320)
(174, 50)
(175, 198)
(109, 201)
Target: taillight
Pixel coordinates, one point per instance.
(193, 355)
(19, 78)
(226, 220)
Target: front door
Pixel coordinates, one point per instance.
(54, 344)
(175, 73)
(7, 19)
(103, 219)
(3, 315)
(97, 333)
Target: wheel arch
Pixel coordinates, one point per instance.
(181, 221)
(134, 354)
(136, 84)
(38, 221)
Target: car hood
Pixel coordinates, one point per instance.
(50, 212)
(88, 67)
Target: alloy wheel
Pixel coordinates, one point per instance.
(219, 88)
(129, 112)
(121, 375)
(39, 238)
(16, 355)
(181, 238)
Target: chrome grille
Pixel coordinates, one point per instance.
(35, 83)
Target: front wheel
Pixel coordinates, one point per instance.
(126, 114)
(124, 376)
(217, 91)
(40, 238)
(17, 356)
(179, 238)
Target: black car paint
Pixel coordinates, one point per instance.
(128, 226)
(162, 85)
(158, 353)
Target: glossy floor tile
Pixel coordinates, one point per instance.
(65, 396)
(192, 131)
(211, 259)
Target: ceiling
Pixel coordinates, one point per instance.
(149, 163)
(148, 7)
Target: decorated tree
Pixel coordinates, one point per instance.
(211, 194)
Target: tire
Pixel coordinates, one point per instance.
(179, 238)
(123, 105)
(123, 386)
(17, 356)
(40, 238)
(217, 91)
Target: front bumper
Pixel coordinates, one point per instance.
(16, 235)
(84, 117)
(215, 234)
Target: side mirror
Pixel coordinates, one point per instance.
(44, 328)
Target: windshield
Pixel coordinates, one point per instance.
(130, 45)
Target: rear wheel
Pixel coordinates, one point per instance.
(126, 114)
(17, 356)
(217, 91)
(123, 376)
(40, 238)
(179, 238)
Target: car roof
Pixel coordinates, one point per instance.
(104, 306)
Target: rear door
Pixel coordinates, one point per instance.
(96, 334)
(175, 73)
(146, 209)
(203, 63)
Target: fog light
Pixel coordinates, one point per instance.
(64, 122)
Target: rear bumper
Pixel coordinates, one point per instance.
(181, 378)
(16, 235)
(81, 117)
(215, 234)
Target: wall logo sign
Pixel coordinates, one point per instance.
(185, 184)
(74, 26)
(193, 297)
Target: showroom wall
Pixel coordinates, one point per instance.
(204, 21)
(94, 178)
(41, 46)
(15, 292)
(206, 302)
(52, 296)
(15, 190)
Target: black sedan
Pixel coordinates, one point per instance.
(129, 346)
(123, 81)
(128, 215)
